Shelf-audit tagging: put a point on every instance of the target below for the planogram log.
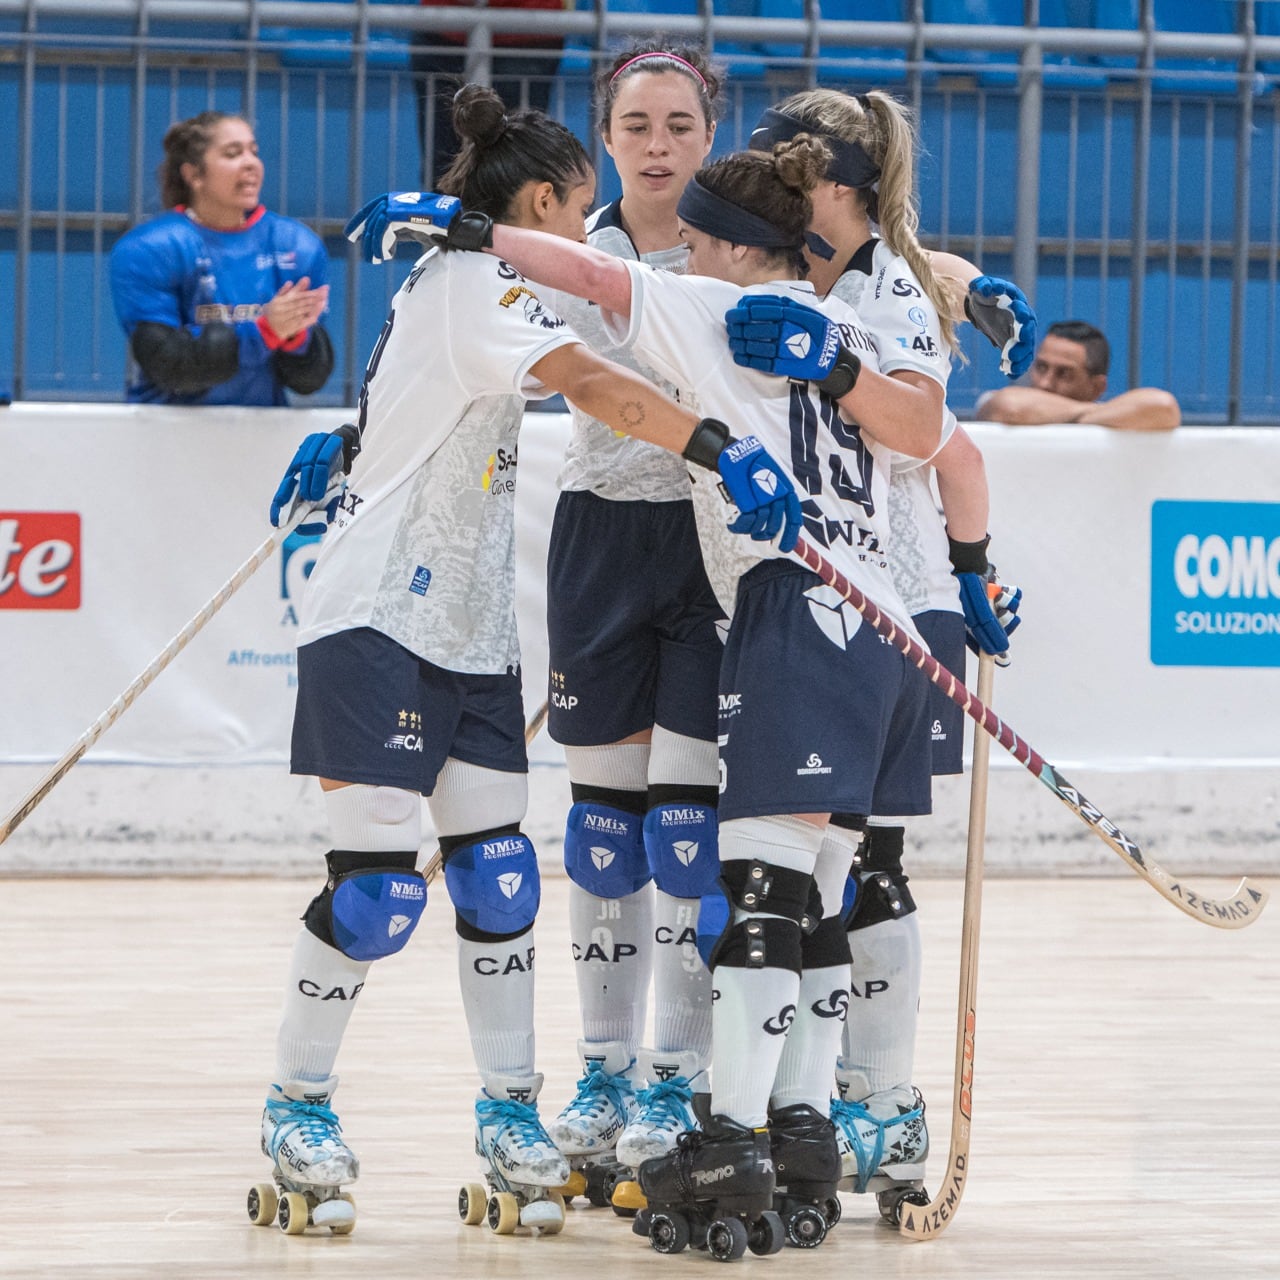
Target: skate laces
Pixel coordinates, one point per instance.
(851, 1116)
(515, 1119)
(666, 1104)
(316, 1122)
(597, 1091)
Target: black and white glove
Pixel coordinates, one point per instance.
(317, 472)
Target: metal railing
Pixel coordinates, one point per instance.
(1110, 181)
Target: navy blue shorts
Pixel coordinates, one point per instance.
(370, 711)
(631, 621)
(815, 707)
(944, 634)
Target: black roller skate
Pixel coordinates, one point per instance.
(806, 1164)
(714, 1192)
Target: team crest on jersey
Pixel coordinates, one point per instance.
(534, 311)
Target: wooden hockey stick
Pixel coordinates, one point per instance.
(152, 669)
(531, 731)
(1245, 903)
(923, 1222)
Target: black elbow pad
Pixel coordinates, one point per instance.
(306, 371)
(183, 363)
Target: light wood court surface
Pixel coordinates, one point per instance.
(1126, 1105)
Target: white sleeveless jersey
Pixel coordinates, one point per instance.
(903, 323)
(677, 324)
(423, 548)
(599, 459)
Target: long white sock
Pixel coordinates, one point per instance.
(497, 994)
(681, 982)
(318, 1002)
(753, 1012)
(612, 956)
(880, 1034)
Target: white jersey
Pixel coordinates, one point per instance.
(903, 323)
(423, 548)
(677, 323)
(603, 461)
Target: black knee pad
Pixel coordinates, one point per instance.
(882, 885)
(758, 943)
(370, 904)
(827, 946)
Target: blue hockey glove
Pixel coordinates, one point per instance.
(778, 335)
(419, 216)
(999, 309)
(990, 606)
(764, 495)
(316, 473)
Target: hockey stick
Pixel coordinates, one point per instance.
(531, 731)
(1235, 912)
(153, 669)
(923, 1222)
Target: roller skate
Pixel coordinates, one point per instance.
(806, 1165)
(587, 1130)
(713, 1191)
(663, 1111)
(302, 1138)
(884, 1143)
(524, 1168)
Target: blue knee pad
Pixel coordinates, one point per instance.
(681, 843)
(604, 850)
(494, 883)
(372, 913)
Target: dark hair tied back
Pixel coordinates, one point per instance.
(479, 116)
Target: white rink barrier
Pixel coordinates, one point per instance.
(1147, 669)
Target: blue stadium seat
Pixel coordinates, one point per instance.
(331, 47)
(1184, 76)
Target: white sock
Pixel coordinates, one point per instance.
(752, 1010)
(319, 1001)
(497, 994)
(813, 1043)
(613, 953)
(880, 1034)
(681, 982)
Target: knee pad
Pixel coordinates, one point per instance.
(827, 947)
(604, 848)
(757, 887)
(680, 843)
(877, 890)
(370, 905)
(493, 880)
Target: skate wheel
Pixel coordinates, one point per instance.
(668, 1232)
(766, 1235)
(473, 1201)
(806, 1228)
(727, 1239)
(891, 1202)
(262, 1204)
(338, 1214)
(600, 1185)
(293, 1213)
(504, 1213)
(575, 1186)
(832, 1210)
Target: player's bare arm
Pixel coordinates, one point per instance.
(962, 487)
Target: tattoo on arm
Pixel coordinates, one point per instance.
(631, 414)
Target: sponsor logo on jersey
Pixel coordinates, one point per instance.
(224, 313)
(1215, 584)
(917, 317)
(905, 289)
(420, 581)
(730, 703)
(937, 732)
(403, 742)
(495, 480)
(837, 619)
(39, 560)
(812, 765)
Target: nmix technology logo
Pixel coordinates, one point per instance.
(39, 560)
(1215, 584)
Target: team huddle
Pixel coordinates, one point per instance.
(755, 350)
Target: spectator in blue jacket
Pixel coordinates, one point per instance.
(220, 298)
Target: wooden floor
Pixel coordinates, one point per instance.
(1126, 1106)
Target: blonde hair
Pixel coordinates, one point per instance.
(883, 127)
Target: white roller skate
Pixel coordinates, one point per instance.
(884, 1143)
(524, 1168)
(663, 1111)
(302, 1138)
(588, 1129)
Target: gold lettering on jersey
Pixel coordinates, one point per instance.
(513, 294)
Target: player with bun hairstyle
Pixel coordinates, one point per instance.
(408, 660)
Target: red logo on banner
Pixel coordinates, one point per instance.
(39, 560)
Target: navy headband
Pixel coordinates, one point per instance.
(725, 220)
(850, 165)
